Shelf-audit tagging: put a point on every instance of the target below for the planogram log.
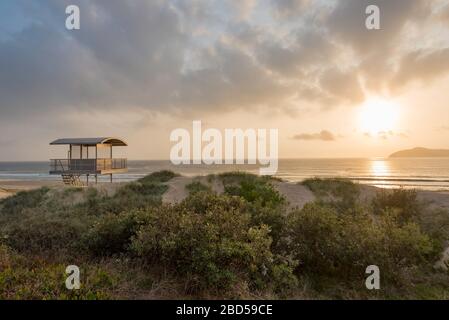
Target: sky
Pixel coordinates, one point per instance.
(138, 69)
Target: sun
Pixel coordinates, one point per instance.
(378, 115)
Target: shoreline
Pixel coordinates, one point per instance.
(420, 184)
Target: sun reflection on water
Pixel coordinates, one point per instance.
(380, 168)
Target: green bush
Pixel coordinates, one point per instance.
(158, 177)
(72, 190)
(405, 202)
(340, 193)
(274, 217)
(328, 243)
(144, 189)
(23, 200)
(39, 233)
(26, 279)
(131, 196)
(255, 191)
(209, 239)
(197, 186)
(6, 257)
(265, 204)
(236, 177)
(47, 282)
(435, 223)
(244, 243)
(111, 233)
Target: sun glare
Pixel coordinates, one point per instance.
(378, 115)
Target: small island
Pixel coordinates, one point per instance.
(421, 153)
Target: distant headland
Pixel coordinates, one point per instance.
(421, 153)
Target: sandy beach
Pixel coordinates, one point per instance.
(8, 188)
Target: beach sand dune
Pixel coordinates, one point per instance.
(433, 199)
(176, 190)
(297, 195)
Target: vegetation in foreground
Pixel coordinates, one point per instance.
(244, 243)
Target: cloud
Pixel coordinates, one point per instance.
(375, 53)
(213, 56)
(341, 85)
(128, 54)
(105, 64)
(245, 8)
(347, 22)
(285, 8)
(386, 134)
(444, 14)
(324, 135)
(306, 53)
(422, 65)
(180, 60)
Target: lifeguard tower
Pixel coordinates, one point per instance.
(88, 157)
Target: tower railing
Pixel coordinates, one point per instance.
(88, 165)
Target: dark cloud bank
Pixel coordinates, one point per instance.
(172, 57)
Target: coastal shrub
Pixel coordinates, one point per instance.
(143, 193)
(404, 206)
(40, 232)
(197, 186)
(274, 217)
(435, 223)
(158, 177)
(71, 190)
(93, 201)
(131, 196)
(236, 177)
(111, 233)
(406, 203)
(265, 204)
(144, 189)
(328, 243)
(204, 202)
(338, 187)
(340, 193)
(23, 200)
(243, 243)
(209, 239)
(47, 282)
(256, 191)
(6, 257)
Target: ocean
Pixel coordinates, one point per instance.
(420, 173)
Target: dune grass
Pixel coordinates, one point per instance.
(197, 186)
(244, 243)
